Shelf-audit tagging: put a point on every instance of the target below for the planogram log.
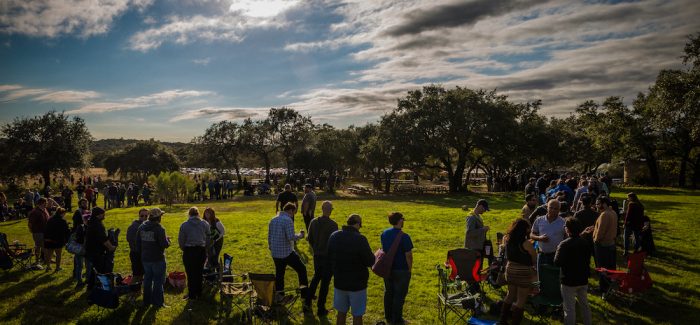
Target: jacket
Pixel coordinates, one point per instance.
(573, 256)
(350, 256)
(151, 241)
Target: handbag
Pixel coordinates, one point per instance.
(384, 260)
(177, 279)
(74, 247)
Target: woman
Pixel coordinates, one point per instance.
(216, 237)
(55, 238)
(634, 221)
(520, 271)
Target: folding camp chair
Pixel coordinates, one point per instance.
(16, 254)
(628, 285)
(232, 293)
(270, 305)
(459, 291)
(109, 287)
(548, 302)
(211, 276)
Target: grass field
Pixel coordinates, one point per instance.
(436, 224)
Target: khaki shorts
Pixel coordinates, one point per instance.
(38, 239)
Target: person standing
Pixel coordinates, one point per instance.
(80, 217)
(193, 240)
(586, 216)
(89, 194)
(37, 226)
(350, 255)
(529, 207)
(573, 256)
(396, 285)
(320, 230)
(97, 245)
(216, 237)
(308, 205)
(67, 195)
(280, 240)
(151, 241)
(548, 231)
(475, 235)
(285, 197)
(55, 238)
(520, 271)
(137, 270)
(634, 221)
(604, 232)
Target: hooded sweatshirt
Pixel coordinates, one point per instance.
(151, 242)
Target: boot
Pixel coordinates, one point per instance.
(505, 313)
(517, 315)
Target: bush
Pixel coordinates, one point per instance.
(171, 187)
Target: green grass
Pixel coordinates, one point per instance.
(436, 224)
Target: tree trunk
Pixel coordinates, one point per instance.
(653, 171)
(238, 177)
(682, 172)
(387, 182)
(266, 159)
(696, 172)
(46, 174)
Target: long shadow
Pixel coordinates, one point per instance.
(199, 311)
(10, 223)
(51, 301)
(25, 285)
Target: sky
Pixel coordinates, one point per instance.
(168, 69)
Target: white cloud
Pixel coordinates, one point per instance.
(226, 27)
(202, 61)
(217, 114)
(67, 96)
(262, 8)
(156, 99)
(53, 18)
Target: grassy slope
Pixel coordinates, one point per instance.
(436, 224)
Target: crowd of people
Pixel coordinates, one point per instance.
(558, 225)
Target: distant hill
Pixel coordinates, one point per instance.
(100, 149)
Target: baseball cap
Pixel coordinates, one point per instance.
(155, 212)
(483, 203)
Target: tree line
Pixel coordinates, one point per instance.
(451, 131)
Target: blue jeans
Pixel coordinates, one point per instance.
(153, 280)
(544, 259)
(78, 261)
(395, 291)
(628, 232)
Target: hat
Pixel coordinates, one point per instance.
(155, 212)
(483, 203)
(96, 211)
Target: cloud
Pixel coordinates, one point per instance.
(202, 61)
(216, 114)
(67, 96)
(4, 88)
(230, 26)
(454, 15)
(156, 99)
(53, 18)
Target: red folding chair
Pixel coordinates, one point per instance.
(629, 284)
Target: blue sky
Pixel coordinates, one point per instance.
(168, 69)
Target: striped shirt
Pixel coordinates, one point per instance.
(280, 235)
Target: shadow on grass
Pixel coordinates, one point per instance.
(23, 286)
(53, 298)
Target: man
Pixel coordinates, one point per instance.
(37, 220)
(134, 253)
(320, 230)
(541, 184)
(573, 256)
(582, 189)
(67, 195)
(308, 205)
(529, 207)
(89, 194)
(151, 241)
(193, 240)
(548, 230)
(586, 216)
(604, 232)
(350, 256)
(79, 221)
(280, 240)
(396, 285)
(80, 189)
(561, 186)
(476, 231)
(531, 188)
(286, 197)
(97, 245)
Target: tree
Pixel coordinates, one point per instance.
(45, 144)
(257, 138)
(221, 147)
(142, 159)
(441, 128)
(171, 187)
(290, 132)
